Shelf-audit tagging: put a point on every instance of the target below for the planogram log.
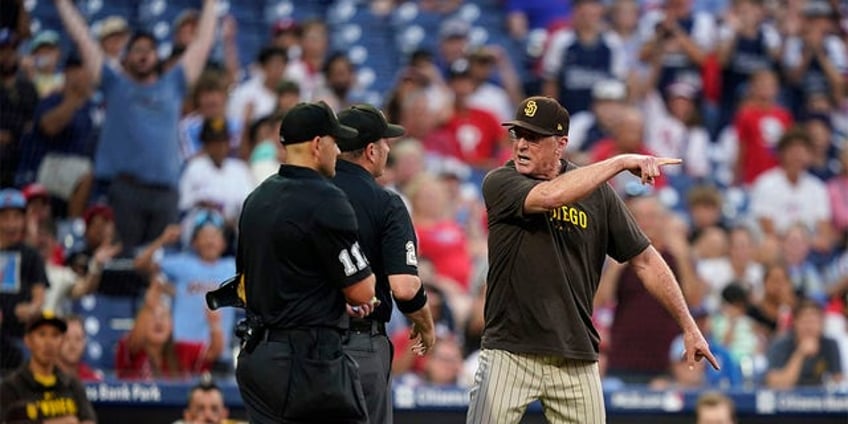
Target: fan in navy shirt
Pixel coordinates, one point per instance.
(57, 152)
(747, 44)
(580, 57)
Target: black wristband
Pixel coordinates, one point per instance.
(412, 305)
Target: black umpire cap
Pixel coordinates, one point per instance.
(371, 124)
(542, 115)
(306, 121)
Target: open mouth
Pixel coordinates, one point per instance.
(522, 160)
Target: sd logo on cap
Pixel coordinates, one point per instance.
(542, 115)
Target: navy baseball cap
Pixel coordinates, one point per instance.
(371, 124)
(12, 199)
(214, 129)
(306, 121)
(542, 115)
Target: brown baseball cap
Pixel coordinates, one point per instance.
(542, 115)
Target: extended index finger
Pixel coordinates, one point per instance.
(709, 355)
(669, 161)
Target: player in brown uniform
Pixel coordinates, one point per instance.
(551, 225)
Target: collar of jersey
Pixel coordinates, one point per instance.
(353, 168)
(299, 172)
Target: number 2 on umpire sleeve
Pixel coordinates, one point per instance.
(411, 259)
(345, 259)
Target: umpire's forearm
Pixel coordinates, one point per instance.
(658, 279)
(422, 318)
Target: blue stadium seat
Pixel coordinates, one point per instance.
(415, 29)
(368, 39)
(41, 9)
(106, 320)
(98, 9)
(298, 10)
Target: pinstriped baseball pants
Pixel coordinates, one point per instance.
(505, 383)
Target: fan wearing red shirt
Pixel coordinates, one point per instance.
(759, 124)
(627, 137)
(471, 135)
(441, 239)
(149, 350)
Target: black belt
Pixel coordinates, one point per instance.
(367, 326)
(288, 334)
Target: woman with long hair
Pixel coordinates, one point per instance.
(149, 350)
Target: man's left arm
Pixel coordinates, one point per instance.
(399, 249)
(194, 59)
(658, 279)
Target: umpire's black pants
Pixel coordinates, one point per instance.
(368, 344)
(264, 375)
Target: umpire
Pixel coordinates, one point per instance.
(388, 240)
(301, 262)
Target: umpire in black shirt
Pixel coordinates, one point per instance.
(301, 262)
(388, 239)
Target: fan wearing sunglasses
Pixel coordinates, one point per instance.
(190, 273)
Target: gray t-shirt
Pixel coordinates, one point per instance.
(544, 268)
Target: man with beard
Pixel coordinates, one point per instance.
(137, 162)
(339, 89)
(18, 98)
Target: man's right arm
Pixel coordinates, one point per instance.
(361, 292)
(786, 370)
(53, 120)
(92, 56)
(344, 262)
(576, 184)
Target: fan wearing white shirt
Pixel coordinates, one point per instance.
(214, 177)
(257, 96)
(788, 194)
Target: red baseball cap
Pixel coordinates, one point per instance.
(34, 190)
(98, 210)
(286, 25)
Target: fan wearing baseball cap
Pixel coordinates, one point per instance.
(551, 226)
(39, 391)
(22, 277)
(300, 260)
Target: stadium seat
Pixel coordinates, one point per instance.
(106, 319)
(368, 39)
(298, 10)
(415, 29)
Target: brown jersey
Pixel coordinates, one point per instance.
(544, 268)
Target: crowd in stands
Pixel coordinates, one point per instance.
(124, 167)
